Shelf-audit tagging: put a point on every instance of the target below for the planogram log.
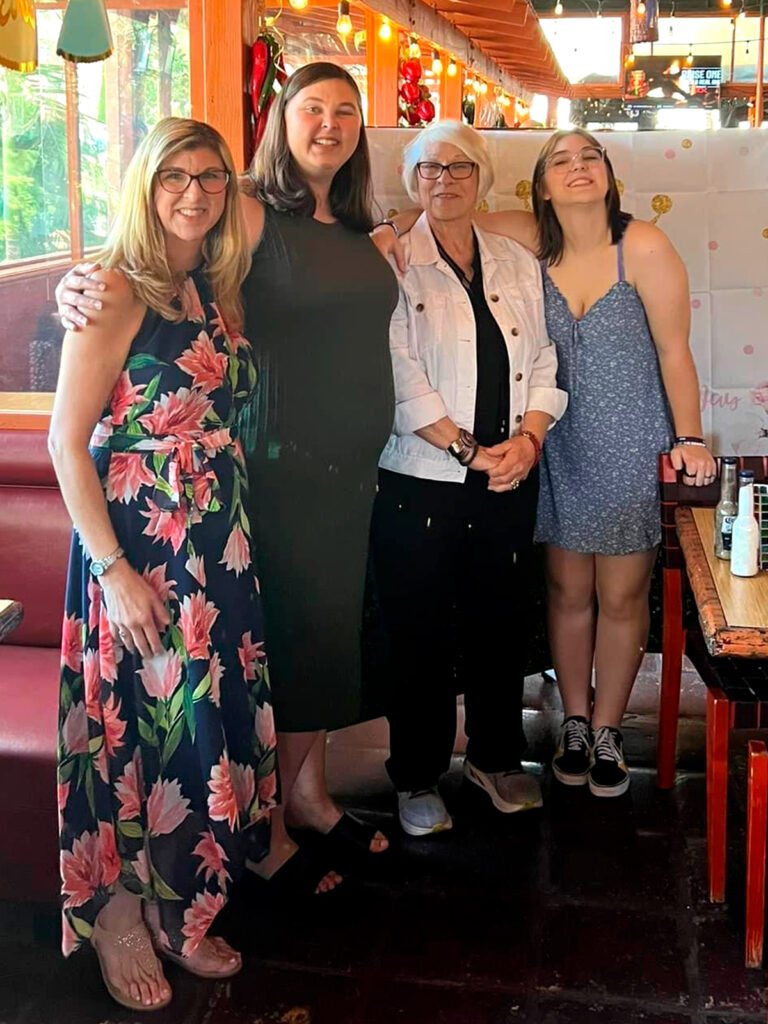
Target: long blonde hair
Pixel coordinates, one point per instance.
(136, 244)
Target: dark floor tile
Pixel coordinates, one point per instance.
(24, 973)
(269, 995)
(562, 1012)
(726, 984)
(336, 931)
(75, 994)
(437, 1004)
(460, 938)
(621, 952)
(609, 862)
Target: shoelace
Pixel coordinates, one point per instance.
(576, 735)
(607, 746)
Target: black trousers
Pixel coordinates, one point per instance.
(451, 570)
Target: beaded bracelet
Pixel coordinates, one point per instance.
(535, 442)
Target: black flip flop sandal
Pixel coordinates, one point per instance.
(348, 842)
(297, 878)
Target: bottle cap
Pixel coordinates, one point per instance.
(729, 460)
(746, 476)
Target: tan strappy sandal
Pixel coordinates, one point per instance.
(135, 943)
(220, 945)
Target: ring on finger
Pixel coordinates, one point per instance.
(514, 485)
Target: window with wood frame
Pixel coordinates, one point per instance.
(67, 133)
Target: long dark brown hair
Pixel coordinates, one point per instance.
(551, 240)
(276, 179)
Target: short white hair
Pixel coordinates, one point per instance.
(467, 139)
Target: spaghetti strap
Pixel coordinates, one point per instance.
(620, 258)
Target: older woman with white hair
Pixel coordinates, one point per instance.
(475, 392)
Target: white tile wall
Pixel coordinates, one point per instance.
(718, 184)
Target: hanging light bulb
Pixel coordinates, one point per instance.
(742, 13)
(344, 23)
(629, 60)
(414, 50)
(437, 64)
(477, 85)
(726, 3)
(558, 8)
(641, 8)
(298, 5)
(483, 88)
(452, 69)
(385, 30)
(599, 11)
(689, 58)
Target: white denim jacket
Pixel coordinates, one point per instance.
(432, 340)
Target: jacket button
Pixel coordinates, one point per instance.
(518, 376)
(518, 418)
(419, 307)
(515, 331)
(494, 298)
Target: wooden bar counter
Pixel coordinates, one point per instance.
(733, 611)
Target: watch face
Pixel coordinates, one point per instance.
(97, 569)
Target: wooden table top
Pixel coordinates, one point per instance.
(11, 614)
(733, 611)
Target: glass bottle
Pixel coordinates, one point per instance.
(746, 535)
(727, 507)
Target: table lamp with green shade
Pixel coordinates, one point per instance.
(85, 34)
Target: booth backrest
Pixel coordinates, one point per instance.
(35, 533)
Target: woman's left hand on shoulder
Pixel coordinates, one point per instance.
(696, 462)
(518, 458)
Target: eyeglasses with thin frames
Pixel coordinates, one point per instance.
(562, 162)
(459, 170)
(177, 181)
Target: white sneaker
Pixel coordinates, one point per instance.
(509, 791)
(423, 812)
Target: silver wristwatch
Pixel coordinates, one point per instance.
(464, 448)
(100, 565)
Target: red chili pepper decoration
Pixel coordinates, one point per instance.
(267, 67)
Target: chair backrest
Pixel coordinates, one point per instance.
(35, 534)
(674, 493)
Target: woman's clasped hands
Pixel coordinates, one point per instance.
(512, 461)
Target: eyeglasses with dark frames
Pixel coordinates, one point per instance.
(459, 170)
(563, 161)
(176, 181)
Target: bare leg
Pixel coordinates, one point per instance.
(571, 619)
(143, 980)
(623, 618)
(307, 803)
(292, 751)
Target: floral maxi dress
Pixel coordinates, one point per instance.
(166, 765)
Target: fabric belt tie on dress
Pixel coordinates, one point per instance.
(185, 476)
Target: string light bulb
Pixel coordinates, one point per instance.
(558, 8)
(452, 68)
(742, 13)
(437, 64)
(599, 11)
(344, 22)
(483, 88)
(629, 59)
(726, 3)
(385, 30)
(298, 5)
(689, 58)
(477, 86)
(641, 8)
(414, 50)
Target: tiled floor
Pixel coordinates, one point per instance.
(588, 911)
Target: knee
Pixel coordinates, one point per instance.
(628, 607)
(566, 599)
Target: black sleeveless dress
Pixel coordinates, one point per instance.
(318, 301)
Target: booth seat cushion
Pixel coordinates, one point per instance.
(29, 685)
(35, 533)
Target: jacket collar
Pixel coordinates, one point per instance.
(424, 248)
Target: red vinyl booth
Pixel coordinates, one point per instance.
(34, 545)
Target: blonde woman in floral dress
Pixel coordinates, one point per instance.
(166, 740)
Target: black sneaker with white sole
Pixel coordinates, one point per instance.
(608, 774)
(573, 756)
